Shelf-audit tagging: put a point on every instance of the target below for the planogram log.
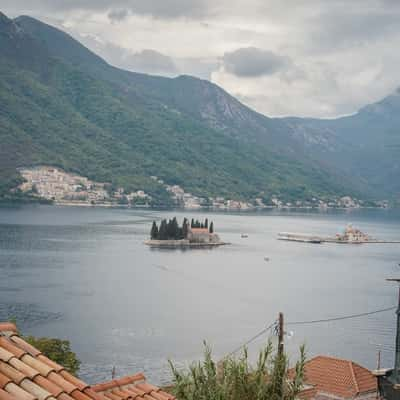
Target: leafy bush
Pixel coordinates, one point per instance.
(57, 350)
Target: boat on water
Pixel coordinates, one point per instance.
(244, 235)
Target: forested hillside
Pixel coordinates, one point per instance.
(62, 105)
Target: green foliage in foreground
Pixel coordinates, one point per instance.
(57, 350)
(235, 379)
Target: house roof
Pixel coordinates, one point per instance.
(131, 387)
(342, 378)
(199, 230)
(27, 374)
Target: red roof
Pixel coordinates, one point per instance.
(27, 374)
(341, 378)
(199, 230)
(131, 387)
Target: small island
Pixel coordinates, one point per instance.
(189, 234)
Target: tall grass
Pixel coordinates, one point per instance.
(235, 379)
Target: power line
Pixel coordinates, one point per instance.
(317, 321)
(265, 330)
(308, 322)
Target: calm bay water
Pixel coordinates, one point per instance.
(84, 274)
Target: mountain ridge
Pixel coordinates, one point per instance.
(133, 123)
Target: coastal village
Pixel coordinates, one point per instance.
(64, 188)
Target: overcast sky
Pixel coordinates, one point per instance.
(318, 58)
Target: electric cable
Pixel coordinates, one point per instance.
(351, 316)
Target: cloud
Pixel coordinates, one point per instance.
(254, 62)
(117, 15)
(302, 57)
(151, 61)
(156, 8)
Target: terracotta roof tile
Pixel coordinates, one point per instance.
(147, 388)
(51, 387)
(24, 368)
(34, 389)
(19, 393)
(166, 395)
(60, 381)
(93, 395)
(132, 387)
(43, 368)
(64, 396)
(15, 375)
(111, 396)
(133, 394)
(160, 396)
(122, 394)
(6, 343)
(56, 367)
(339, 377)
(126, 380)
(4, 379)
(78, 395)
(135, 390)
(5, 355)
(8, 327)
(75, 381)
(6, 396)
(25, 346)
(27, 374)
(199, 230)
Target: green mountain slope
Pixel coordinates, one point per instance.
(62, 105)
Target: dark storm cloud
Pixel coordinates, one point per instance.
(150, 61)
(253, 62)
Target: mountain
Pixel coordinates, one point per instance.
(366, 143)
(65, 106)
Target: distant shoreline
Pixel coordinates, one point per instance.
(210, 209)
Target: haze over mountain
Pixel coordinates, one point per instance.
(65, 106)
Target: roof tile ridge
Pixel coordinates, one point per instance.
(353, 375)
(8, 328)
(116, 383)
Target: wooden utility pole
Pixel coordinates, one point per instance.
(280, 334)
(396, 370)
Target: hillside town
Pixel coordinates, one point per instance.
(65, 188)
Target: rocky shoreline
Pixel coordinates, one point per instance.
(182, 243)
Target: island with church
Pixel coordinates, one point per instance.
(189, 234)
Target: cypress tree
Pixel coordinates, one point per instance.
(163, 231)
(154, 231)
(211, 227)
(192, 223)
(206, 223)
(175, 229)
(185, 228)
